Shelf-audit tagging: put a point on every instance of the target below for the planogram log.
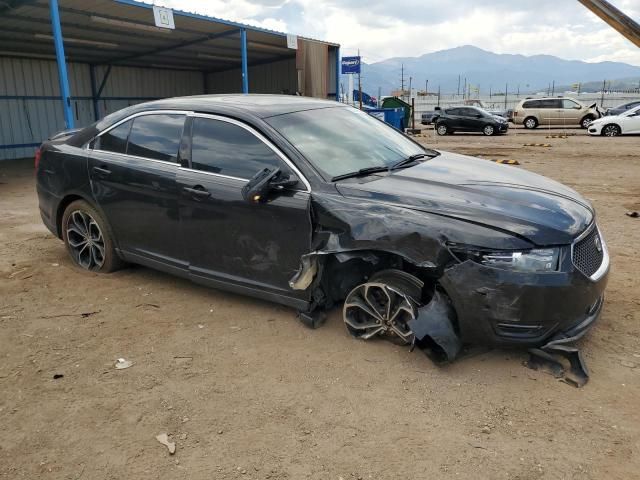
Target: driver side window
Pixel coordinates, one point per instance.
(228, 149)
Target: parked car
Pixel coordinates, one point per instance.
(276, 197)
(555, 111)
(427, 118)
(613, 125)
(622, 108)
(470, 119)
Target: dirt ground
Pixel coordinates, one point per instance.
(247, 392)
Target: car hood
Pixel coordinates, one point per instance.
(503, 197)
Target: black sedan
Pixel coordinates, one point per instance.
(622, 108)
(311, 203)
(470, 119)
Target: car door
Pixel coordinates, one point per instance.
(133, 169)
(470, 120)
(571, 112)
(254, 248)
(455, 120)
(631, 122)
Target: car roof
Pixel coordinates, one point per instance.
(259, 105)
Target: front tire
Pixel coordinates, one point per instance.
(442, 129)
(586, 121)
(611, 130)
(488, 130)
(88, 238)
(530, 123)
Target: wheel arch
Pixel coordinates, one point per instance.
(72, 197)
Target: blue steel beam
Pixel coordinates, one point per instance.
(62, 64)
(245, 69)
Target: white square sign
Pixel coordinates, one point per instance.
(163, 17)
(292, 41)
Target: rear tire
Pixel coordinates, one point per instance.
(611, 130)
(530, 123)
(88, 239)
(442, 129)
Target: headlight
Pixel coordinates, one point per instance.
(536, 260)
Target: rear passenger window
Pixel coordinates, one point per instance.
(115, 140)
(531, 104)
(228, 149)
(156, 136)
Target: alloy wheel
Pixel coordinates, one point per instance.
(442, 130)
(379, 309)
(611, 131)
(488, 130)
(85, 240)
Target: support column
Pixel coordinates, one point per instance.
(94, 92)
(245, 69)
(62, 64)
(338, 73)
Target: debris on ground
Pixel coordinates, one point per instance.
(163, 438)
(57, 376)
(633, 214)
(121, 364)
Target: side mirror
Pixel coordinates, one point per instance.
(257, 189)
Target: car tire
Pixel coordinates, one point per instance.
(530, 123)
(88, 239)
(442, 129)
(489, 130)
(611, 130)
(586, 121)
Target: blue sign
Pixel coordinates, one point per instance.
(350, 65)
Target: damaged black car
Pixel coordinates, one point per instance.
(315, 204)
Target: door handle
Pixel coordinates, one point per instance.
(102, 170)
(198, 192)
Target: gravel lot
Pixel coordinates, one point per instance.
(247, 392)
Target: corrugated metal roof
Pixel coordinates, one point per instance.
(123, 32)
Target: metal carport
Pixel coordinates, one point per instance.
(65, 63)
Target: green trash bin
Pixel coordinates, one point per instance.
(395, 102)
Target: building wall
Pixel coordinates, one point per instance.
(276, 77)
(31, 108)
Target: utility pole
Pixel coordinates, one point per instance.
(464, 90)
(402, 80)
(438, 95)
(458, 85)
(359, 81)
(426, 87)
(489, 91)
(506, 93)
(604, 83)
(379, 96)
(553, 88)
(410, 78)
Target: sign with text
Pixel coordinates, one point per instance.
(163, 17)
(350, 65)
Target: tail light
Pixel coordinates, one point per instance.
(36, 160)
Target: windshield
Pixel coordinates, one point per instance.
(342, 140)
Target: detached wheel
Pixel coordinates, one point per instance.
(586, 121)
(488, 130)
(530, 123)
(611, 130)
(442, 129)
(88, 239)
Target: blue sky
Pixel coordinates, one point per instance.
(383, 28)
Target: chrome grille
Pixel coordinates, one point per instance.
(588, 253)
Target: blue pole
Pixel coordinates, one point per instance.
(338, 74)
(62, 64)
(245, 70)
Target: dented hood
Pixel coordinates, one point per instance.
(531, 206)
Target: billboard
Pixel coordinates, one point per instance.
(350, 65)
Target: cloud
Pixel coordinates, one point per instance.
(383, 29)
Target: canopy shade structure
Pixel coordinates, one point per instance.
(114, 49)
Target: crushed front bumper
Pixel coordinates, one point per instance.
(505, 308)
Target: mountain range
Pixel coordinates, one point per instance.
(486, 70)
